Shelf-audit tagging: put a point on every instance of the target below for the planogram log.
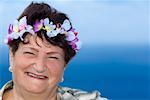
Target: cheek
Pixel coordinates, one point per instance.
(18, 69)
(56, 68)
(21, 62)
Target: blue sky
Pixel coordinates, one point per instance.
(98, 21)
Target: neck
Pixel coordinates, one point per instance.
(18, 94)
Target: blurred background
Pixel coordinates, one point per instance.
(114, 58)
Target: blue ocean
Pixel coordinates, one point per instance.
(119, 72)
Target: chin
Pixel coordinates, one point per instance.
(35, 89)
(34, 85)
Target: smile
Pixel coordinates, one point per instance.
(42, 77)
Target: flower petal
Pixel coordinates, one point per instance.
(22, 23)
(49, 34)
(23, 20)
(16, 26)
(21, 33)
(70, 36)
(46, 21)
(38, 25)
(29, 29)
(10, 29)
(15, 35)
(78, 44)
(66, 25)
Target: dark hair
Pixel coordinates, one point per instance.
(38, 11)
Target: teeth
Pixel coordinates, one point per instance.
(36, 76)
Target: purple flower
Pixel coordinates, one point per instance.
(38, 25)
(10, 29)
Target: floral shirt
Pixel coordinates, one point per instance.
(65, 93)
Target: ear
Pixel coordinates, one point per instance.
(11, 58)
(65, 66)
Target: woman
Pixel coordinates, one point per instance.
(41, 41)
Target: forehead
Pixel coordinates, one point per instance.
(33, 41)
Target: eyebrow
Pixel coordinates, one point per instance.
(32, 48)
(50, 53)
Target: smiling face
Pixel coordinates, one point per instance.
(36, 66)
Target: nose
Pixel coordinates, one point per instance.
(40, 65)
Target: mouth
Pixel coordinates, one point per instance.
(40, 77)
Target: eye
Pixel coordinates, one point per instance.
(30, 53)
(54, 57)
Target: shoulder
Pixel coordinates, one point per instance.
(77, 94)
(7, 86)
(65, 93)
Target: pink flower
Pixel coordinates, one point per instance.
(22, 23)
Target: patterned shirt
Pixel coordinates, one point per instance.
(65, 93)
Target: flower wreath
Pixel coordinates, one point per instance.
(19, 27)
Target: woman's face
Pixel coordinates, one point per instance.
(37, 67)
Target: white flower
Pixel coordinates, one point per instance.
(46, 21)
(22, 23)
(78, 44)
(16, 26)
(21, 34)
(66, 24)
(59, 30)
(29, 29)
(49, 26)
(70, 36)
(52, 33)
(19, 28)
(15, 35)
